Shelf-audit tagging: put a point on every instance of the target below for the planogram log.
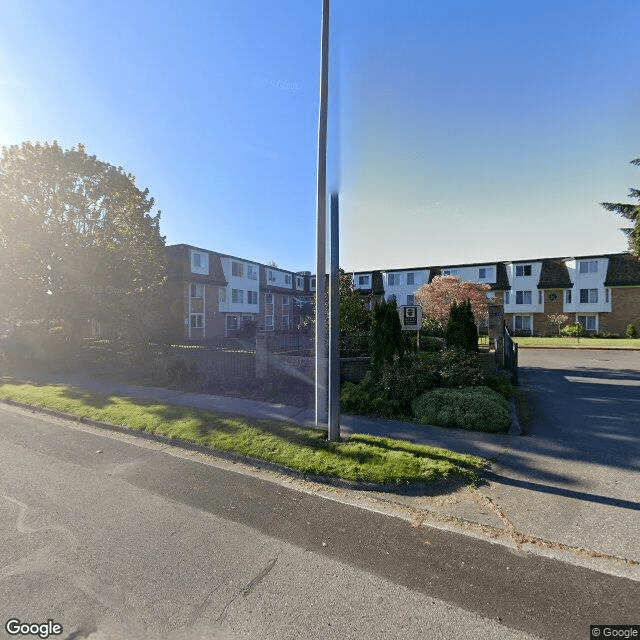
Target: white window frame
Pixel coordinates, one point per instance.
(237, 296)
(287, 278)
(237, 269)
(285, 322)
(268, 322)
(567, 296)
(252, 272)
(268, 298)
(196, 321)
(507, 297)
(539, 296)
(393, 279)
(233, 320)
(286, 301)
(299, 282)
(252, 297)
(199, 262)
(588, 266)
(198, 289)
(363, 281)
(410, 300)
(411, 277)
(591, 296)
(588, 316)
(451, 272)
(521, 318)
(523, 297)
(521, 268)
(607, 295)
(222, 295)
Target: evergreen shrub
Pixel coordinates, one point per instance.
(476, 408)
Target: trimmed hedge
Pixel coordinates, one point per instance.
(474, 408)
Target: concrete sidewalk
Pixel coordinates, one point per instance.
(526, 500)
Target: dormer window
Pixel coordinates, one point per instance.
(523, 270)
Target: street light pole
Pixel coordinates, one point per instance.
(321, 226)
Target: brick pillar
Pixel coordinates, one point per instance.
(496, 333)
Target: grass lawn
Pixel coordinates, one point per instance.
(573, 342)
(361, 458)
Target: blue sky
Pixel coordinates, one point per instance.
(461, 131)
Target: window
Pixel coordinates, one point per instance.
(252, 272)
(451, 272)
(313, 283)
(268, 298)
(197, 291)
(363, 281)
(197, 320)
(271, 276)
(506, 297)
(285, 322)
(485, 273)
(393, 279)
(606, 295)
(588, 266)
(237, 295)
(286, 301)
(588, 322)
(287, 278)
(268, 323)
(523, 297)
(252, 297)
(237, 269)
(200, 262)
(410, 300)
(539, 296)
(567, 296)
(522, 323)
(523, 270)
(232, 323)
(222, 296)
(299, 282)
(411, 277)
(588, 296)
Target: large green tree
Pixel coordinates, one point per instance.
(631, 212)
(77, 242)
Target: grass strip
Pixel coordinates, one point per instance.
(622, 343)
(359, 458)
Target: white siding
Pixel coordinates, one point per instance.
(524, 283)
(400, 289)
(244, 283)
(589, 281)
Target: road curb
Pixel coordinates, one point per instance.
(217, 453)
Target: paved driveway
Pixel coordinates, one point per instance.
(574, 478)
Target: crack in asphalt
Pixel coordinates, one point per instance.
(248, 588)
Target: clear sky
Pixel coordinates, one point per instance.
(461, 131)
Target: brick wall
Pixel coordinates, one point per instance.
(553, 303)
(625, 309)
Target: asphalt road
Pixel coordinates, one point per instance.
(574, 477)
(114, 536)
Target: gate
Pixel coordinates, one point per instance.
(510, 354)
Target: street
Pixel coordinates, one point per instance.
(112, 536)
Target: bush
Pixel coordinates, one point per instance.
(500, 383)
(631, 331)
(354, 345)
(390, 390)
(475, 408)
(605, 334)
(573, 330)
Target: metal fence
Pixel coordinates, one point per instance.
(510, 355)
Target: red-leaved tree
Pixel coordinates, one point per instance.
(437, 297)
